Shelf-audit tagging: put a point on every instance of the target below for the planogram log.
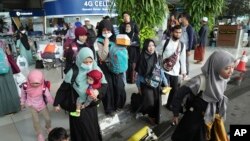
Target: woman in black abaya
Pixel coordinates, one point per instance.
(145, 65)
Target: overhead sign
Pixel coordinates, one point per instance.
(27, 13)
(76, 7)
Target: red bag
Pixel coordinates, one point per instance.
(14, 67)
(199, 53)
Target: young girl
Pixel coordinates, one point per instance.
(33, 95)
(94, 80)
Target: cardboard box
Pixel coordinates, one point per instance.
(122, 39)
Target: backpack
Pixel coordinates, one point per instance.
(169, 62)
(118, 59)
(4, 64)
(67, 97)
(45, 86)
(154, 80)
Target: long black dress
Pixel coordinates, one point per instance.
(115, 97)
(85, 127)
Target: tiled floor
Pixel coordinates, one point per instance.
(18, 126)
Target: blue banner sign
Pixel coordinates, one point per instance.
(76, 7)
(27, 13)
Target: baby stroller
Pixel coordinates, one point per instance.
(49, 56)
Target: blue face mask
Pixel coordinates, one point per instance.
(86, 67)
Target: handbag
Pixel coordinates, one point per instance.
(199, 52)
(217, 128)
(66, 96)
(154, 80)
(68, 102)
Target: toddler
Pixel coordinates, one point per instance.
(94, 80)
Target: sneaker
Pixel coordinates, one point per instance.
(40, 137)
(75, 114)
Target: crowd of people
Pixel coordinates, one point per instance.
(88, 51)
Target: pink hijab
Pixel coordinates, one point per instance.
(35, 76)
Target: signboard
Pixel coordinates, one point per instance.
(27, 13)
(227, 36)
(76, 7)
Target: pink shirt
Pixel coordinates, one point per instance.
(36, 102)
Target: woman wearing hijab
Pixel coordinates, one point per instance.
(144, 68)
(9, 99)
(217, 70)
(115, 98)
(23, 45)
(81, 35)
(85, 127)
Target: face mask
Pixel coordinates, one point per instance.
(23, 31)
(86, 67)
(128, 30)
(107, 35)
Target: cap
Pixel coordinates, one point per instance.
(205, 19)
(80, 31)
(86, 19)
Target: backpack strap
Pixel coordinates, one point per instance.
(202, 83)
(182, 45)
(75, 73)
(25, 87)
(165, 46)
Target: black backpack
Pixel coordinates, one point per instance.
(68, 97)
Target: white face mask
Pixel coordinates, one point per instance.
(23, 31)
(86, 67)
(107, 35)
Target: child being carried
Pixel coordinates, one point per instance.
(94, 80)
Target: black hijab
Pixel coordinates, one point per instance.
(146, 62)
(24, 39)
(108, 25)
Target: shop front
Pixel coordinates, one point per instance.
(32, 20)
(65, 11)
